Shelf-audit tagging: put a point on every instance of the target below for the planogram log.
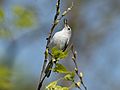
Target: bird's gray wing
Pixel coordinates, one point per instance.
(51, 43)
(66, 45)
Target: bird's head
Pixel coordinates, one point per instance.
(66, 26)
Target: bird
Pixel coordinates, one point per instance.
(60, 40)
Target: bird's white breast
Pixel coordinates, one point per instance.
(60, 39)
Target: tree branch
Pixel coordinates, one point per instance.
(76, 67)
(55, 22)
(65, 12)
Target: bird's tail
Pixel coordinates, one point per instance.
(47, 73)
(48, 68)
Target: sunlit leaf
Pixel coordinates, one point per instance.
(52, 85)
(58, 88)
(61, 88)
(70, 76)
(59, 54)
(60, 68)
(65, 88)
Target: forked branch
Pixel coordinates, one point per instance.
(55, 23)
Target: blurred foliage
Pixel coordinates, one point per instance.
(4, 32)
(5, 82)
(2, 15)
(24, 17)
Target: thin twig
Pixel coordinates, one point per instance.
(54, 23)
(44, 64)
(77, 85)
(48, 41)
(50, 34)
(76, 67)
(65, 12)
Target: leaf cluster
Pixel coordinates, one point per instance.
(59, 54)
(61, 69)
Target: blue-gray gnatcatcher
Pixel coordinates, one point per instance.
(60, 40)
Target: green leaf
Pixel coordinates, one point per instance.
(65, 88)
(70, 76)
(61, 88)
(58, 88)
(59, 54)
(60, 68)
(52, 85)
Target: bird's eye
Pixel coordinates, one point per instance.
(68, 28)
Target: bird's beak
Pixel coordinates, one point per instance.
(65, 22)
